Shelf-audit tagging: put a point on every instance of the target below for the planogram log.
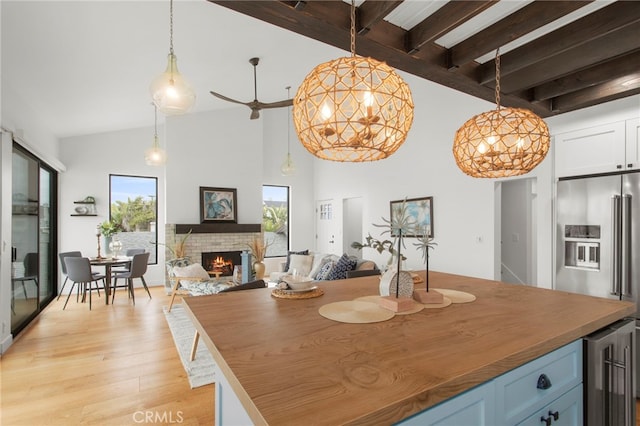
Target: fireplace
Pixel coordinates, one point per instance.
(221, 263)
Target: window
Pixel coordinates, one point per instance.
(275, 219)
(132, 205)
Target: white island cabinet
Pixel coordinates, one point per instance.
(549, 387)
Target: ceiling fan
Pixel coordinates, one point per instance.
(255, 105)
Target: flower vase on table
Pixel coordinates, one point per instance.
(115, 246)
(259, 268)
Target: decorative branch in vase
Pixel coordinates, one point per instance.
(399, 224)
(178, 247)
(425, 243)
(258, 248)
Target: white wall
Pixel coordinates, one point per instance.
(221, 149)
(424, 166)
(301, 183)
(89, 160)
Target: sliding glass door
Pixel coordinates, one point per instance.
(32, 237)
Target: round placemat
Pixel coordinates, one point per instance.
(417, 307)
(456, 296)
(284, 294)
(355, 312)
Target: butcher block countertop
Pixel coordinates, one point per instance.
(288, 365)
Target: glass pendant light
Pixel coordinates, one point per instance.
(288, 168)
(155, 156)
(171, 93)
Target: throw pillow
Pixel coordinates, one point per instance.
(301, 264)
(319, 260)
(195, 270)
(344, 264)
(286, 265)
(325, 271)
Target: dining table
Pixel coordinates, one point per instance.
(108, 263)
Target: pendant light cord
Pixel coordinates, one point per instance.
(353, 28)
(288, 123)
(498, 78)
(171, 27)
(155, 125)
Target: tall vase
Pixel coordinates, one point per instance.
(259, 268)
(107, 245)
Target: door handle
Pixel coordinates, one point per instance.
(616, 228)
(625, 243)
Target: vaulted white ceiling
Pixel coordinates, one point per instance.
(85, 66)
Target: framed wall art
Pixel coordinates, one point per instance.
(218, 205)
(421, 212)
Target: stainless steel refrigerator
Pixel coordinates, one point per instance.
(598, 230)
(598, 239)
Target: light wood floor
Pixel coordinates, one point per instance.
(114, 365)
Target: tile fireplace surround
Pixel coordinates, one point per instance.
(203, 241)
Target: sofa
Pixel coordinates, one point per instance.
(323, 266)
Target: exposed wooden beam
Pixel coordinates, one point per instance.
(572, 35)
(611, 90)
(328, 21)
(614, 44)
(372, 12)
(601, 73)
(443, 20)
(519, 23)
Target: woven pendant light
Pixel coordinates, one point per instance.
(502, 142)
(353, 108)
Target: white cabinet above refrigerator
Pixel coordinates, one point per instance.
(607, 148)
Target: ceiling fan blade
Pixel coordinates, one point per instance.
(224, 98)
(279, 104)
(255, 113)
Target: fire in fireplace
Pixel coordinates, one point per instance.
(221, 263)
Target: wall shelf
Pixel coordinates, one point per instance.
(218, 228)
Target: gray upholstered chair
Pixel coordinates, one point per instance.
(129, 253)
(30, 263)
(137, 270)
(63, 266)
(79, 272)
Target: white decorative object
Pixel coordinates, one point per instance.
(389, 280)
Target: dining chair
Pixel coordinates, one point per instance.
(63, 267)
(128, 253)
(137, 270)
(79, 272)
(30, 263)
(246, 286)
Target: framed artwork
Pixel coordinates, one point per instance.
(420, 210)
(218, 205)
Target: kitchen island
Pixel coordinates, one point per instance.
(284, 363)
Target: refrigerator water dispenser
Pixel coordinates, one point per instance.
(582, 247)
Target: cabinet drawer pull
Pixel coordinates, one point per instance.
(545, 420)
(618, 166)
(554, 414)
(544, 382)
